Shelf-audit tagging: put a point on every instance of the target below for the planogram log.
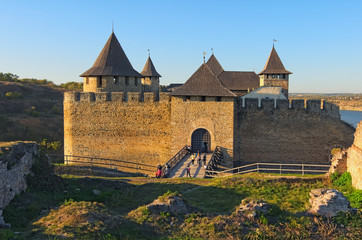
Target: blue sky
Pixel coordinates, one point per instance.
(319, 41)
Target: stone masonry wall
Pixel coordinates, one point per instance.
(105, 125)
(216, 117)
(354, 158)
(288, 134)
(15, 164)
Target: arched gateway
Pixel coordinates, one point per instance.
(198, 139)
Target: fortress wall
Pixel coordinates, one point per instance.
(354, 158)
(299, 132)
(105, 125)
(216, 117)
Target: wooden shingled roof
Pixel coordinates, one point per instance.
(214, 65)
(274, 65)
(149, 69)
(112, 61)
(203, 83)
(239, 80)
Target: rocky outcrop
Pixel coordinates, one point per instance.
(253, 209)
(171, 204)
(328, 202)
(354, 158)
(339, 162)
(15, 164)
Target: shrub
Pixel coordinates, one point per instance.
(13, 95)
(344, 180)
(355, 198)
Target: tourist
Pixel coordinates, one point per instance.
(188, 171)
(159, 173)
(167, 170)
(192, 159)
(205, 145)
(204, 160)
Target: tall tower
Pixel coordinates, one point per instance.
(112, 71)
(274, 73)
(150, 77)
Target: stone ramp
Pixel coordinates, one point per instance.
(196, 170)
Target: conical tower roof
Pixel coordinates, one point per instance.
(203, 83)
(274, 65)
(112, 61)
(149, 69)
(214, 65)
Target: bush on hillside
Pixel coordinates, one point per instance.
(72, 86)
(13, 95)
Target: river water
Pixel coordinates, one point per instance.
(351, 117)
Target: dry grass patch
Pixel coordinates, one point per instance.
(74, 219)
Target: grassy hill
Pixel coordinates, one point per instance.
(30, 112)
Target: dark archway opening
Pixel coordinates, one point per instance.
(200, 140)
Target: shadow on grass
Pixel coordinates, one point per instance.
(120, 197)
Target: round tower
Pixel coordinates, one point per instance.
(112, 71)
(150, 77)
(274, 73)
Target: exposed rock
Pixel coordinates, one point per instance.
(339, 162)
(172, 204)
(253, 209)
(354, 158)
(96, 192)
(15, 164)
(328, 202)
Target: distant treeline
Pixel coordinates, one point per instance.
(71, 86)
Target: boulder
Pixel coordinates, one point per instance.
(252, 208)
(328, 202)
(171, 204)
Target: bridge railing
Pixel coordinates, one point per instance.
(177, 158)
(271, 168)
(216, 158)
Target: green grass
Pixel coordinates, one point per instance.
(121, 195)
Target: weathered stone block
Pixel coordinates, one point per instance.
(117, 96)
(87, 97)
(102, 96)
(149, 97)
(133, 97)
(71, 96)
(298, 104)
(282, 103)
(267, 104)
(314, 105)
(251, 103)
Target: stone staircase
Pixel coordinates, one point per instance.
(196, 170)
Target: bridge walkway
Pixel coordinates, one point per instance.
(197, 171)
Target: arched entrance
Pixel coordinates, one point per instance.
(198, 139)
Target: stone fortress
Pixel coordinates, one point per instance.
(123, 114)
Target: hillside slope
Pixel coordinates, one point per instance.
(30, 112)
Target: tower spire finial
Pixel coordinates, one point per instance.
(274, 40)
(149, 53)
(212, 50)
(204, 56)
(112, 27)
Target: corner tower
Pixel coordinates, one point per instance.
(112, 71)
(150, 77)
(274, 73)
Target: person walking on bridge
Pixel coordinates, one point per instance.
(188, 170)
